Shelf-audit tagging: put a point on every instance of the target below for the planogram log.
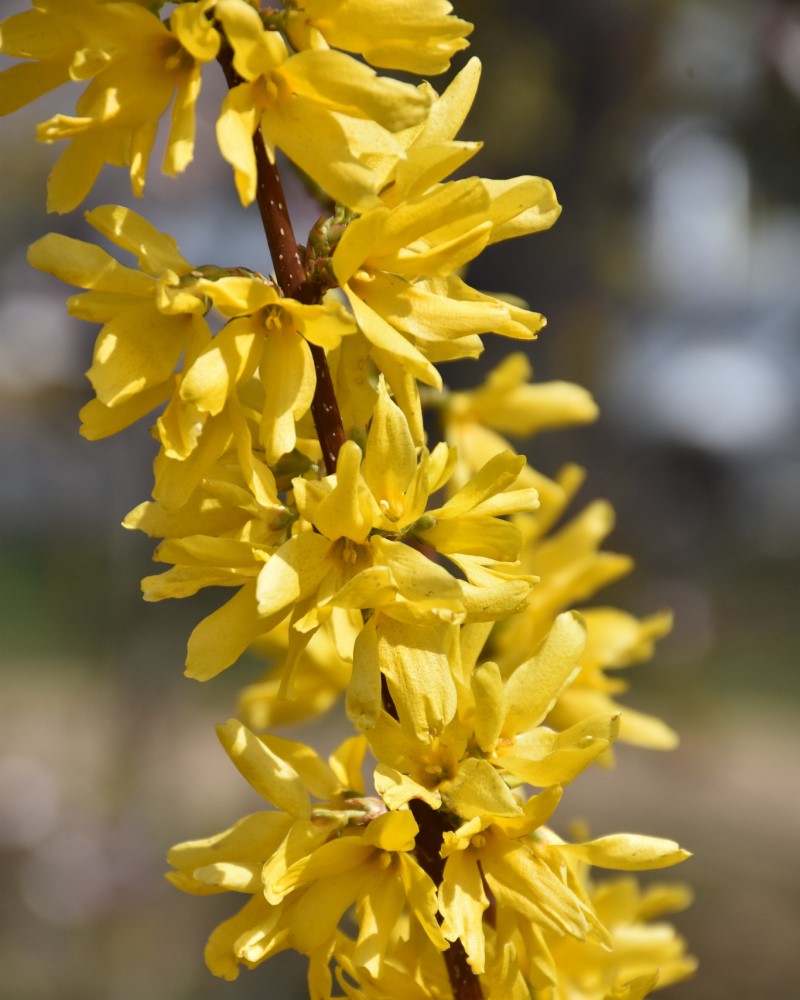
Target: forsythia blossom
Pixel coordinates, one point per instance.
(417, 569)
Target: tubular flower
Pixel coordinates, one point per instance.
(397, 267)
(418, 36)
(154, 324)
(306, 864)
(151, 317)
(460, 747)
(568, 568)
(644, 955)
(355, 545)
(298, 100)
(522, 868)
(136, 65)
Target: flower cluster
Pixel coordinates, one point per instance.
(428, 583)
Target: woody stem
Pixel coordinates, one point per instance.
(432, 824)
(292, 279)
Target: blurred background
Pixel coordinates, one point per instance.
(671, 130)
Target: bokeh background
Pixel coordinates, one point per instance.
(671, 129)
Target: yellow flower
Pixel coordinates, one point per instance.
(566, 562)
(136, 64)
(418, 36)
(571, 567)
(267, 334)
(355, 544)
(153, 325)
(523, 870)
(287, 775)
(477, 421)
(308, 863)
(644, 955)
(377, 872)
(299, 102)
(152, 317)
(459, 741)
(357, 557)
(397, 266)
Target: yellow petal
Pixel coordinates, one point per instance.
(627, 852)
(77, 263)
(532, 689)
(292, 573)
(231, 357)
(462, 902)
(348, 510)
(393, 831)
(346, 761)
(356, 243)
(378, 914)
(490, 710)
(391, 458)
(421, 895)
(383, 335)
(155, 251)
(231, 876)
(100, 421)
(288, 397)
(521, 205)
(270, 775)
(543, 757)
(314, 139)
(179, 152)
(348, 86)
(495, 476)
(221, 955)
(313, 771)
(221, 638)
(417, 672)
(479, 791)
(252, 838)
(236, 124)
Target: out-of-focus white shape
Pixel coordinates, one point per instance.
(30, 801)
(37, 347)
(730, 396)
(697, 219)
(726, 397)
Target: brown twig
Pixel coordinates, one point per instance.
(291, 277)
(432, 824)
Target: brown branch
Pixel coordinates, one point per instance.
(432, 824)
(291, 277)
